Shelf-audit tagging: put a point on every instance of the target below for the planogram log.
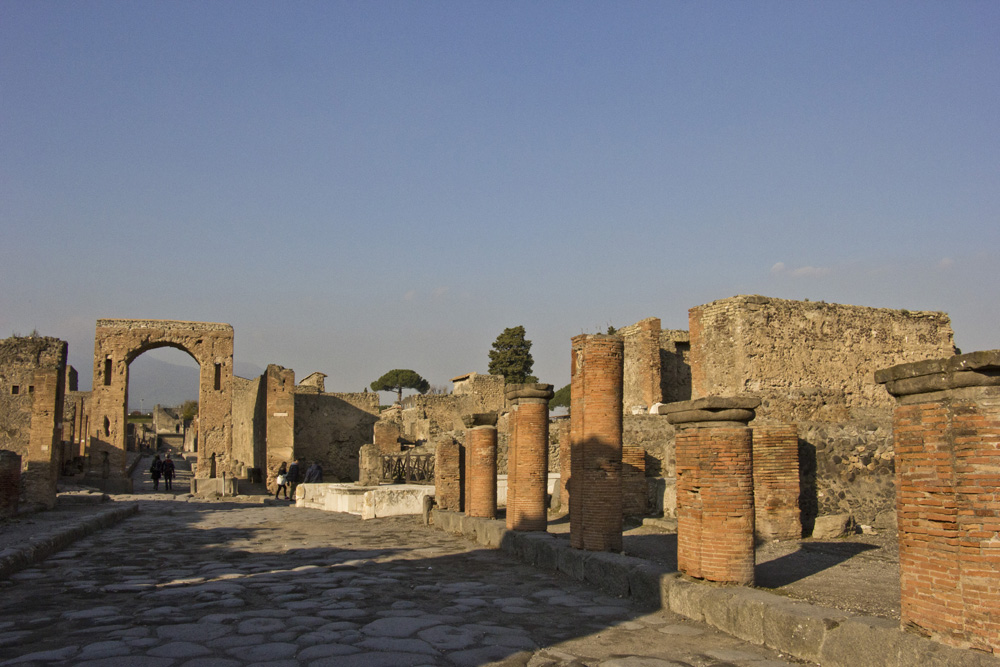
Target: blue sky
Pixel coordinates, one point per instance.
(361, 186)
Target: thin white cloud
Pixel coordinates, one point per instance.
(799, 272)
(945, 263)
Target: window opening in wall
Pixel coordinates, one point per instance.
(15, 390)
(107, 426)
(31, 389)
(107, 372)
(218, 377)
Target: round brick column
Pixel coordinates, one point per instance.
(946, 431)
(528, 460)
(715, 504)
(595, 484)
(481, 459)
(10, 482)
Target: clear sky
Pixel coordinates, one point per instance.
(361, 186)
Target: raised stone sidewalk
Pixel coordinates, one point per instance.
(810, 632)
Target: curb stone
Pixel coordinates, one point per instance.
(42, 546)
(831, 637)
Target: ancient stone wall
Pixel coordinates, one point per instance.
(249, 422)
(279, 411)
(847, 468)
(675, 365)
(641, 386)
(32, 396)
(331, 428)
(808, 361)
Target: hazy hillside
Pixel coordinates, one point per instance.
(153, 381)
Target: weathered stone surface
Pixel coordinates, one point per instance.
(711, 403)
(480, 419)
(528, 390)
(832, 525)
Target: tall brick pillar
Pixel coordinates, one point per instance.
(481, 465)
(715, 508)
(595, 484)
(448, 476)
(565, 463)
(776, 482)
(10, 482)
(946, 429)
(279, 421)
(528, 457)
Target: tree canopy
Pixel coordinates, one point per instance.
(511, 356)
(560, 399)
(399, 379)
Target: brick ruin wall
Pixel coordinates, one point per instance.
(32, 396)
(331, 428)
(843, 468)
(808, 361)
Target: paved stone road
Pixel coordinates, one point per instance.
(191, 584)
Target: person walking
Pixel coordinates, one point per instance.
(314, 473)
(155, 470)
(282, 481)
(293, 478)
(168, 474)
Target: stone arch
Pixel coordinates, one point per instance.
(118, 342)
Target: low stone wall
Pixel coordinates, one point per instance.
(370, 502)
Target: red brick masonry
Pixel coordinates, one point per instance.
(947, 438)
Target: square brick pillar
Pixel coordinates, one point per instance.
(42, 470)
(528, 457)
(565, 463)
(279, 421)
(448, 476)
(595, 484)
(715, 502)
(776, 482)
(634, 492)
(481, 465)
(10, 483)
(946, 429)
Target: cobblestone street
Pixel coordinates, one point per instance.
(187, 584)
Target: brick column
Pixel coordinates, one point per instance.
(715, 509)
(481, 460)
(634, 493)
(596, 442)
(565, 463)
(528, 457)
(10, 482)
(946, 429)
(42, 470)
(279, 421)
(776, 482)
(448, 476)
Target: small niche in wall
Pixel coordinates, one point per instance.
(107, 372)
(15, 390)
(218, 377)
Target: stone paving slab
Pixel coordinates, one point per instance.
(184, 584)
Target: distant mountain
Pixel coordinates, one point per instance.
(153, 381)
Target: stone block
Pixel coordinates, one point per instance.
(799, 628)
(863, 642)
(607, 571)
(571, 562)
(832, 526)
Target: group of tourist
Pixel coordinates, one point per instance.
(288, 478)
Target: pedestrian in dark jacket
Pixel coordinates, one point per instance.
(168, 473)
(293, 478)
(314, 473)
(155, 471)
